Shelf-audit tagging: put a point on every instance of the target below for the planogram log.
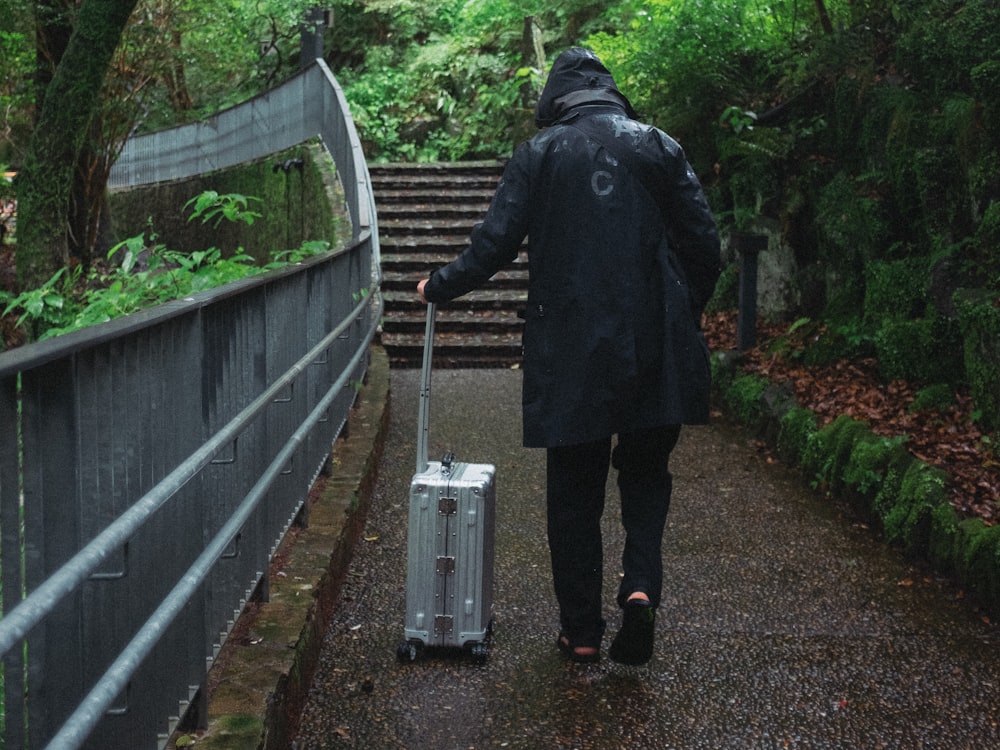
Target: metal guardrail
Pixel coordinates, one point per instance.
(150, 466)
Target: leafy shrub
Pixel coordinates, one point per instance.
(143, 273)
(725, 296)
(943, 545)
(868, 463)
(895, 290)
(895, 468)
(829, 450)
(798, 425)
(846, 340)
(979, 316)
(936, 397)
(743, 397)
(851, 221)
(907, 520)
(946, 39)
(983, 262)
(924, 350)
(978, 563)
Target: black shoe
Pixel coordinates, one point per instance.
(634, 643)
(578, 652)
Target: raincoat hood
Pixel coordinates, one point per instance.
(577, 77)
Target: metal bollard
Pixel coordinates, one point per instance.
(747, 247)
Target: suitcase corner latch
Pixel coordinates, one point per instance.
(445, 566)
(444, 624)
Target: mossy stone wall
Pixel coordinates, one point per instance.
(300, 200)
(979, 317)
(903, 497)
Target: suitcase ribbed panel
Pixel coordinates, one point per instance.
(449, 582)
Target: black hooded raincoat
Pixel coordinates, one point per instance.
(620, 267)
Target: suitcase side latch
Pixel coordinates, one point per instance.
(447, 506)
(445, 566)
(444, 624)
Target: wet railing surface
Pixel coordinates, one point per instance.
(150, 466)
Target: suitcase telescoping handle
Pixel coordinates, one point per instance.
(423, 408)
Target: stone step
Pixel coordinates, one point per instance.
(404, 252)
(422, 260)
(426, 213)
(447, 320)
(417, 226)
(453, 349)
(470, 213)
(396, 281)
(400, 195)
(489, 297)
(450, 173)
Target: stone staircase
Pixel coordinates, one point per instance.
(425, 214)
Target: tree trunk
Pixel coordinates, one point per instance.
(824, 17)
(532, 56)
(174, 76)
(53, 28)
(71, 99)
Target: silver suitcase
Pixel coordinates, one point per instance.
(449, 572)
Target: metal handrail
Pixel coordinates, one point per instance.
(295, 402)
(88, 713)
(15, 624)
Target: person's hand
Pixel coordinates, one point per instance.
(420, 290)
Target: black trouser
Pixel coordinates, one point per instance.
(576, 478)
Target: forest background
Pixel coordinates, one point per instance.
(861, 137)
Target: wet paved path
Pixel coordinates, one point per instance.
(783, 625)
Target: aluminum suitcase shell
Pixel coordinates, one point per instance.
(451, 526)
(449, 577)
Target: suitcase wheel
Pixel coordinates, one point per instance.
(480, 652)
(408, 650)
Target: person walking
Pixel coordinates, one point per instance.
(623, 256)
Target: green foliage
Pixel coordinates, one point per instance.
(459, 93)
(944, 536)
(968, 550)
(843, 340)
(144, 273)
(462, 103)
(979, 316)
(743, 397)
(680, 62)
(829, 450)
(45, 305)
(895, 290)
(16, 93)
(978, 561)
(851, 221)
(923, 350)
(797, 427)
(725, 296)
(946, 40)
(907, 519)
(981, 260)
(936, 397)
(233, 207)
(867, 465)
(869, 142)
(893, 468)
(205, 56)
(301, 205)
